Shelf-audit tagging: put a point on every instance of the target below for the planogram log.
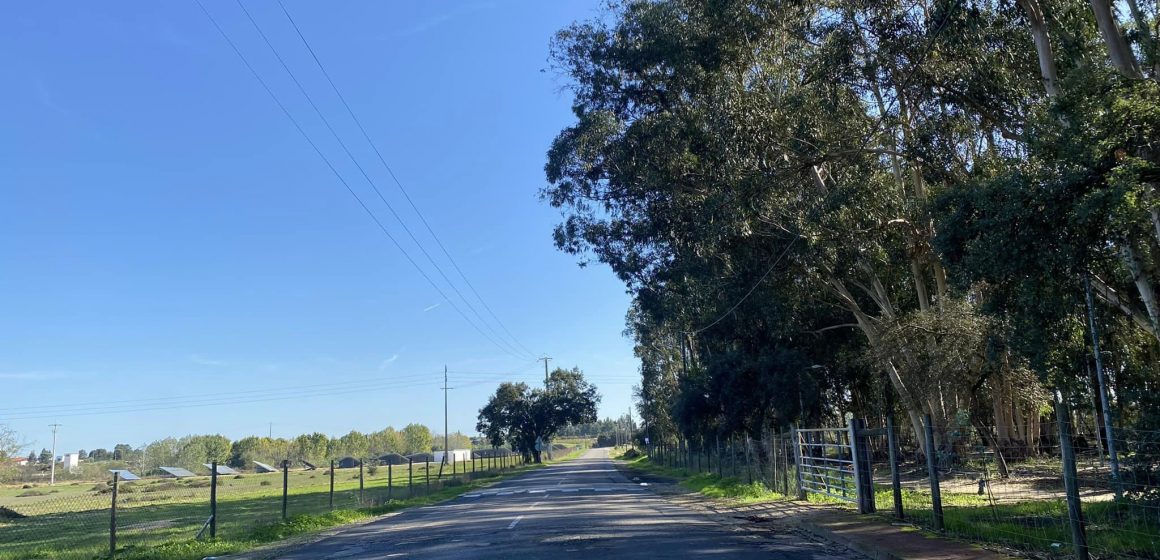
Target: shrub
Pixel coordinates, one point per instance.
(264, 483)
(31, 493)
(372, 469)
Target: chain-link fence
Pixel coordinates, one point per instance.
(83, 520)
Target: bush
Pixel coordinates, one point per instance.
(264, 483)
(631, 454)
(372, 469)
(31, 493)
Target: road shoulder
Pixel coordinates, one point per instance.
(872, 536)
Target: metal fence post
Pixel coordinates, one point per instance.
(360, 482)
(797, 461)
(213, 500)
(895, 476)
(410, 478)
(330, 500)
(932, 470)
(863, 474)
(732, 455)
(113, 518)
(285, 485)
(427, 473)
(748, 461)
(390, 481)
(1071, 484)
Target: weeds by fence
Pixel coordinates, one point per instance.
(77, 520)
(1045, 492)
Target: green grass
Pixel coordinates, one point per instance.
(1040, 525)
(157, 520)
(709, 485)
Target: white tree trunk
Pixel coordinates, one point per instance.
(1143, 284)
(1042, 39)
(1118, 50)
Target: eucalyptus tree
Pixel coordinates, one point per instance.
(814, 130)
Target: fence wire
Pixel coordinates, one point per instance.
(72, 520)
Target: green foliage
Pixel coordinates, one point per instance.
(517, 415)
(861, 207)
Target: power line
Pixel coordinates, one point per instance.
(198, 403)
(339, 176)
(366, 176)
(158, 400)
(398, 183)
(747, 294)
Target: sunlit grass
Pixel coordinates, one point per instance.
(249, 514)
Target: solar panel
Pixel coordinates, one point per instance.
(264, 468)
(222, 469)
(177, 472)
(308, 465)
(124, 474)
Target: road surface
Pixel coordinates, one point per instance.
(582, 508)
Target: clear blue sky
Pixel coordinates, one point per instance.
(165, 233)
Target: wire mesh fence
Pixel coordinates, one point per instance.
(82, 520)
(1043, 492)
(1045, 486)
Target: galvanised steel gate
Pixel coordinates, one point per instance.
(835, 462)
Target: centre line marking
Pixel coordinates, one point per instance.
(517, 520)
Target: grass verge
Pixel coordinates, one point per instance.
(245, 530)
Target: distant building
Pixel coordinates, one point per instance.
(18, 461)
(457, 455)
(71, 461)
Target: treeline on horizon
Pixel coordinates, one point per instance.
(193, 451)
(877, 208)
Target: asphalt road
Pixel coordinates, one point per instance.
(582, 508)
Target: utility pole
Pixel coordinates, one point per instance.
(446, 433)
(52, 460)
(270, 431)
(545, 360)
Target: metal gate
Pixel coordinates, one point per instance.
(835, 462)
(825, 461)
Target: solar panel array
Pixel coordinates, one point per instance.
(124, 474)
(264, 468)
(177, 472)
(221, 469)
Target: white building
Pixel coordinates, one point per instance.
(457, 455)
(70, 461)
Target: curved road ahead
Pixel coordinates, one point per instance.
(582, 508)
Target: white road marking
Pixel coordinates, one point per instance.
(570, 490)
(471, 495)
(517, 520)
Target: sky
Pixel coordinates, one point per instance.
(176, 259)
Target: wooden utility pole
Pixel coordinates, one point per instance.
(545, 359)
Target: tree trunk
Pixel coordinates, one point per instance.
(1118, 50)
(1142, 282)
(1042, 39)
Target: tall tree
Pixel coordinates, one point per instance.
(519, 416)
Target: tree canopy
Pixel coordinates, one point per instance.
(518, 415)
(823, 207)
